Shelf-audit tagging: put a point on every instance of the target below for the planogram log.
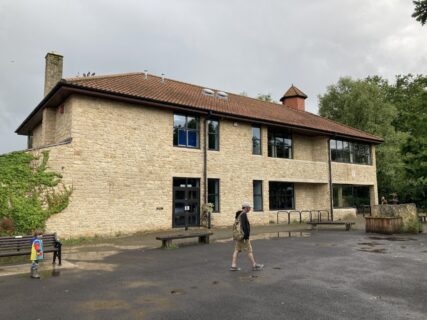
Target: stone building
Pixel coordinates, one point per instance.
(142, 152)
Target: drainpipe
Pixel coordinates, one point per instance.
(331, 196)
(205, 167)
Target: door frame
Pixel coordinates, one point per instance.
(198, 202)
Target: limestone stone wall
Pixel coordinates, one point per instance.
(63, 123)
(407, 211)
(121, 164)
(49, 126)
(345, 214)
(37, 136)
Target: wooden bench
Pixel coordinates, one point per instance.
(422, 217)
(346, 223)
(21, 246)
(167, 239)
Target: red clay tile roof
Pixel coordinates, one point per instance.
(293, 92)
(189, 95)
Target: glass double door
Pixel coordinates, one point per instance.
(186, 202)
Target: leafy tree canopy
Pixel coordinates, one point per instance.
(420, 13)
(396, 112)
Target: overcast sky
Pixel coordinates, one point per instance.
(233, 45)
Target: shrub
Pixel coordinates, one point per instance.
(7, 227)
(29, 194)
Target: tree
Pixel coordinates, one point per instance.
(363, 104)
(265, 97)
(410, 97)
(420, 13)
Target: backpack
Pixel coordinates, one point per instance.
(238, 233)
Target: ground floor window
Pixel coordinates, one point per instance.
(257, 191)
(281, 195)
(213, 193)
(350, 196)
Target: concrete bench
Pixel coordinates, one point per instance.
(346, 223)
(167, 239)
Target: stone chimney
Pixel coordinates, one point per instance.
(53, 71)
(294, 98)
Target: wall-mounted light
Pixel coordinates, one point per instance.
(235, 124)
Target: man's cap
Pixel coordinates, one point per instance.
(246, 205)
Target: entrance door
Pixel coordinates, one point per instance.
(186, 202)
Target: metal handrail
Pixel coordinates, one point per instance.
(307, 211)
(300, 212)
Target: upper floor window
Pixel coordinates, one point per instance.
(279, 144)
(256, 140)
(186, 131)
(213, 135)
(350, 152)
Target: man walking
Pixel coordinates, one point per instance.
(245, 243)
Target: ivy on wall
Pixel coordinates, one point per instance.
(29, 194)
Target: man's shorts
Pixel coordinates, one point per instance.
(243, 245)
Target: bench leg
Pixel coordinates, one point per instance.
(347, 227)
(166, 243)
(204, 239)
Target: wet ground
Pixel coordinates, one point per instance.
(325, 274)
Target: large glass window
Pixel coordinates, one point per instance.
(350, 152)
(350, 196)
(213, 193)
(281, 195)
(279, 144)
(186, 132)
(257, 191)
(213, 135)
(256, 140)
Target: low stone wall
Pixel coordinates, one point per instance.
(407, 211)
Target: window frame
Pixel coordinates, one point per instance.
(260, 140)
(187, 130)
(271, 208)
(215, 194)
(285, 134)
(217, 134)
(257, 195)
(353, 192)
(338, 152)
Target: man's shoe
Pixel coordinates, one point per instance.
(257, 267)
(235, 269)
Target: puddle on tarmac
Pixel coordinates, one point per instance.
(382, 250)
(394, 238)
(97, 305)
(177, 292)
(140, 284)
(252, 277)
(272, 235)
(371, 244)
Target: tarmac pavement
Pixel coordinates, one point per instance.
(327, 273)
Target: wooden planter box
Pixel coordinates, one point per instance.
(385, 225)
